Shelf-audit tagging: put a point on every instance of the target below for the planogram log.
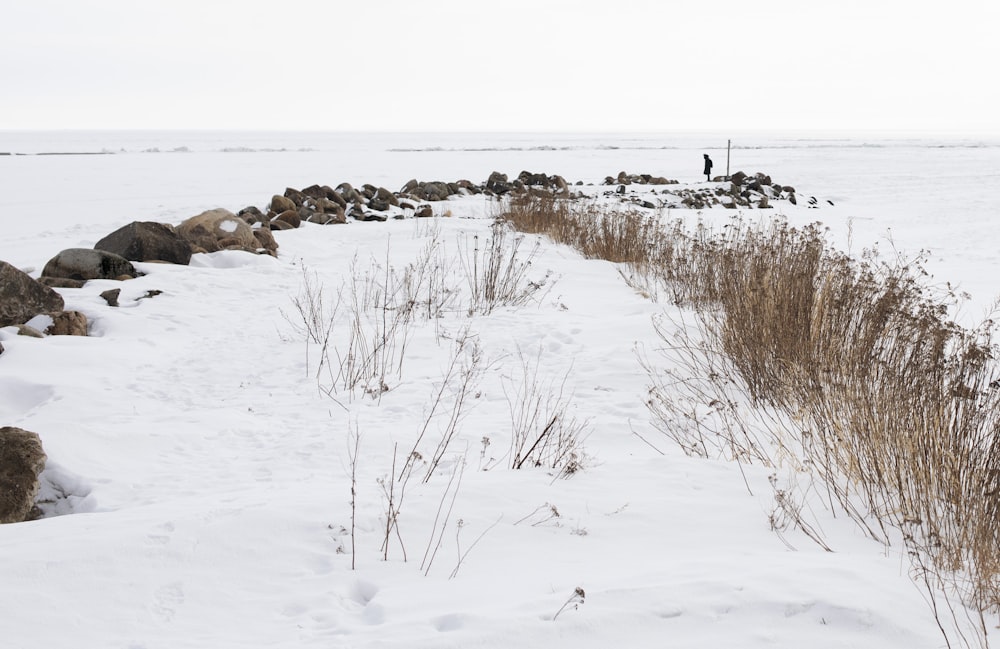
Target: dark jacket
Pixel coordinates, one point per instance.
(708, 166)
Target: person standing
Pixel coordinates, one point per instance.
(708, 168)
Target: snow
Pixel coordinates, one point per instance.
(198, 490)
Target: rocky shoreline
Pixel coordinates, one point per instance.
(36, 309)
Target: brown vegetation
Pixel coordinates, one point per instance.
(856, 376)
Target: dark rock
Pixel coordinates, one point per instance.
(252, 215)
(738, 178)
(281, 204)
(378, 204)
(22, 298)
(314, 191)
(435, 191)
(266, 241)
(147, 241)
(295, 196)
(111, 296)
(62, 282)
(497, 183)
(86, 264)
(533, 179)
(348, 193)
(291, 217)
(336, 198)
(424, 211)
(22, 459)
(384, 194)
(409, 186)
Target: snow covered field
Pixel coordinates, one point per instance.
(210, 479)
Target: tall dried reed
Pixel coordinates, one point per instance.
(854, 368)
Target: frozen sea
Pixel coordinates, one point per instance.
(918, 192)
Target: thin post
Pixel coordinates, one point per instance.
(728, 144)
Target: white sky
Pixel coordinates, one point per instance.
(570, 65)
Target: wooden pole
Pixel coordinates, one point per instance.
(728, 144)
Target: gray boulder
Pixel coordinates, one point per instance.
(22, 298)
(86, 264)
(147, 241)
(21, 461)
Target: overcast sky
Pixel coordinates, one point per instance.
(570, 65)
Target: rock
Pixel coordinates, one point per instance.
(337, 198)
(533, 179)
(348, 193)
(409, 186)
(378, 204)
(111, 296)
(291, 217)
(22, 459)
(280, 225)
(434, 191)
(67, 323)
(792, 200)
(147, 241)
(218, 229)
(1, 349)
(22, 298)
(738, 178)
(266, 241)
(387, 196)
(252, 215)
(323, 204)
(296, 196)
(281, 204)
(86, 264)
(314, 191)
(62, 282)
(497, 183)
(424, 211)
(338, 216)
(29, 332)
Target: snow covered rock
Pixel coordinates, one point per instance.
(21, 297)
(218, 229)
(21, 461)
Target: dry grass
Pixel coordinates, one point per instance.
(856, 373)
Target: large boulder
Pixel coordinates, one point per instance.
(147, 241)
(22, 298)
(86, 264)
(218, 229)
(21, 461)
